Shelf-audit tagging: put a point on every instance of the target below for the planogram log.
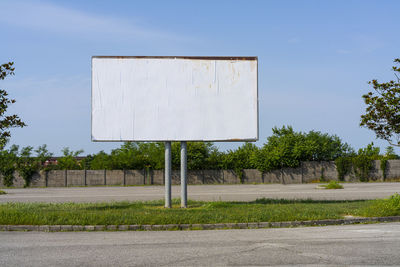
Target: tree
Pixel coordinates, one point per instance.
(8, 162)
(136, 156)
(287, 148)
(7, 121)
(99, 161)
(43, 154)
(383, 109)
(68, 161)
(200, 155)
(390, 154)
(27, 166)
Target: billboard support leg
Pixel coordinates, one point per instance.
(167, 174)
(183, 175)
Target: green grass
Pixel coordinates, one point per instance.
(333, 185)
(153, 212)
(383, 207)
(2, 192)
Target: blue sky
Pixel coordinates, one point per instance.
(315, 58)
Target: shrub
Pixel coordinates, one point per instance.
(361, 163)
(26, 165)
(287, 148)
(241, 158)
(8, 162)
(68, 161)
(333, 185)
(343, 166)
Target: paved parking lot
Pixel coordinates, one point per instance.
(354, 245)
(243, 192)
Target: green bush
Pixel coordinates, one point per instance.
(361, 163)
(8, 162)
(343, 166)
(333, 185)
(27, 166)
(2, 192)
(241, 158)
(389, 154)
(68, 161)
(287, 148)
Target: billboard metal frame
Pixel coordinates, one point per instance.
(183, 149)
(235, 58)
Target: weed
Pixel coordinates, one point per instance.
(333, 185)
(383, 207)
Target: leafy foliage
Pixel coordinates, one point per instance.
(383, 109)
(69, 161)
(361, 162)
(42, 155)
(343, 166)
(201, 155)
(8, 160)
(99, 161)
(27, 166)
(134, 155)
(389, 154)
(287, 148)
(22, 161)
(7, 121)
(241, 158)
(333, 185)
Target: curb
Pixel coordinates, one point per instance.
(216, 226)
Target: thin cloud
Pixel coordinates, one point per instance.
(61, 20)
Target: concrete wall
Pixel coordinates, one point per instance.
(76, 178)
(115, 177)
(306, 173)
(195, 177)
(155, 177)
(57, 178)
(230, 177)
(393, 169)
(96, 177)
(252, 176)
(134, 177)
(272, 177)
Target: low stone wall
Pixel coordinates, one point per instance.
(306, 173)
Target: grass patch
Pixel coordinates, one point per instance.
(333, 185)
(383, 207)
(2, 192)
(198, 212)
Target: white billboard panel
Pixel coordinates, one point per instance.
(174, 99)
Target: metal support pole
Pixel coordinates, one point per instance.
(168, 174)
(183, 175)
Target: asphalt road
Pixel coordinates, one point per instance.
(243, 192)
(362, 245)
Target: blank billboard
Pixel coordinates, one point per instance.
(174, 98)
